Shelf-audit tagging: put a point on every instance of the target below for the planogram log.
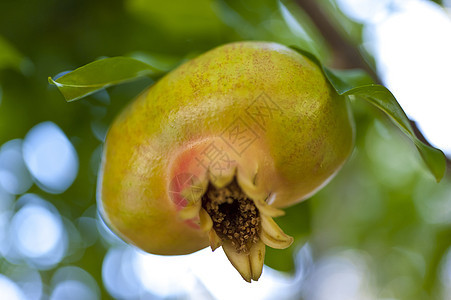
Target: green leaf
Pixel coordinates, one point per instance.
(383, 99)
(101, 74)
(163, 62)
(296, 29)
(345, 80)
(359, 84)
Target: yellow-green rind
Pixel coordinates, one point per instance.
(306, 138)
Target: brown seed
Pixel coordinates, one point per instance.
(234, 215)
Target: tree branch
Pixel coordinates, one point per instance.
(346, 55)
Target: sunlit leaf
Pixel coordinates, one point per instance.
(231, 17)
(179, 17)
(163, 62)
(358, 83)
(348, 26)
(306, 42)
(101, 74)
(383, 99)
(344, 80)
(9, 56)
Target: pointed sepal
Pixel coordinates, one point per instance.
(272, 235)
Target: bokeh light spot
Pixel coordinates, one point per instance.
(72, 289)
(74, 283)
(36, 233)
(29, 281)
(50, 157)
(165, 276)
(14, 176)
(38, 230)
(117, 274)
(341, 276)
(9, 289)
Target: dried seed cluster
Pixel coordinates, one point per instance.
(235, 216)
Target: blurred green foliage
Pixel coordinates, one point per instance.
(383, 203)
(9, 57)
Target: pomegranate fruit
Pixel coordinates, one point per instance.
(212, 152)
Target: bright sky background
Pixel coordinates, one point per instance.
(411, 41)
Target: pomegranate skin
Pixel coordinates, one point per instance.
(296, 134)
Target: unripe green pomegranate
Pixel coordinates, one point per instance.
(213, 151)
